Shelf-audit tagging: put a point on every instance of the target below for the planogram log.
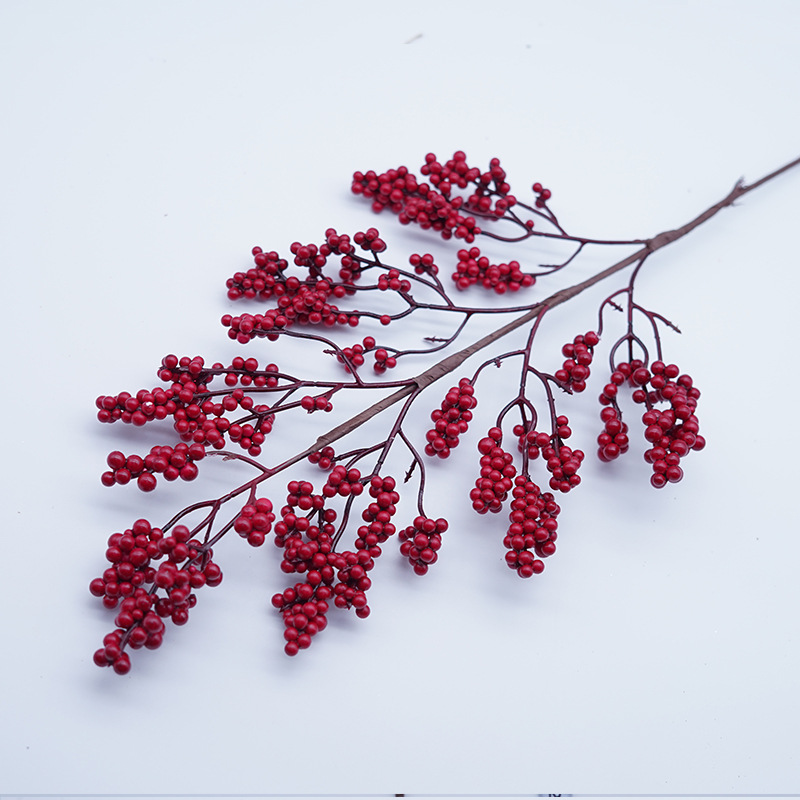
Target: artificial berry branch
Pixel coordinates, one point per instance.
(154, 572)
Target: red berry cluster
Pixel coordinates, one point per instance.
(383, 360)
(678, 425)
(399, 191)
(542, 195)
(474, 268)
(497, 474)
(370, 240)
(300, 537)
(199, 418)
(268, 278)
(353, 357)
(172, 463)
(578, 357)
(451, 420)
(377, 516)
(245, 371)
(423, 264)
(486, 185)
(140, 618)
(149, 634)
(304, 608)
(532, 533)
(343, 482)
(322, 458)
(391, 281)
(255, 521)
(301, 304)
(437, 205)
(338, 244)
(203, 421)
(263, 281)
(421, 542)
(561, 460)
(353, 582)
(457, 172)
(321, 402)
(613, 441)
(139, 410)
(130, 553)
(673, 432)
(311, 256)
(308, 548)
(307, 300)
(490, 189)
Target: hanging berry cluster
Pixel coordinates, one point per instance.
(154, 572)
(532, 533)
(146, 595)
(673, 432)
(451, 420)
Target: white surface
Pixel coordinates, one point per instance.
(147, 147)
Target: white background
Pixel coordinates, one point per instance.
(147, 147)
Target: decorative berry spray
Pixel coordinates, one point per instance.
(155, 570)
